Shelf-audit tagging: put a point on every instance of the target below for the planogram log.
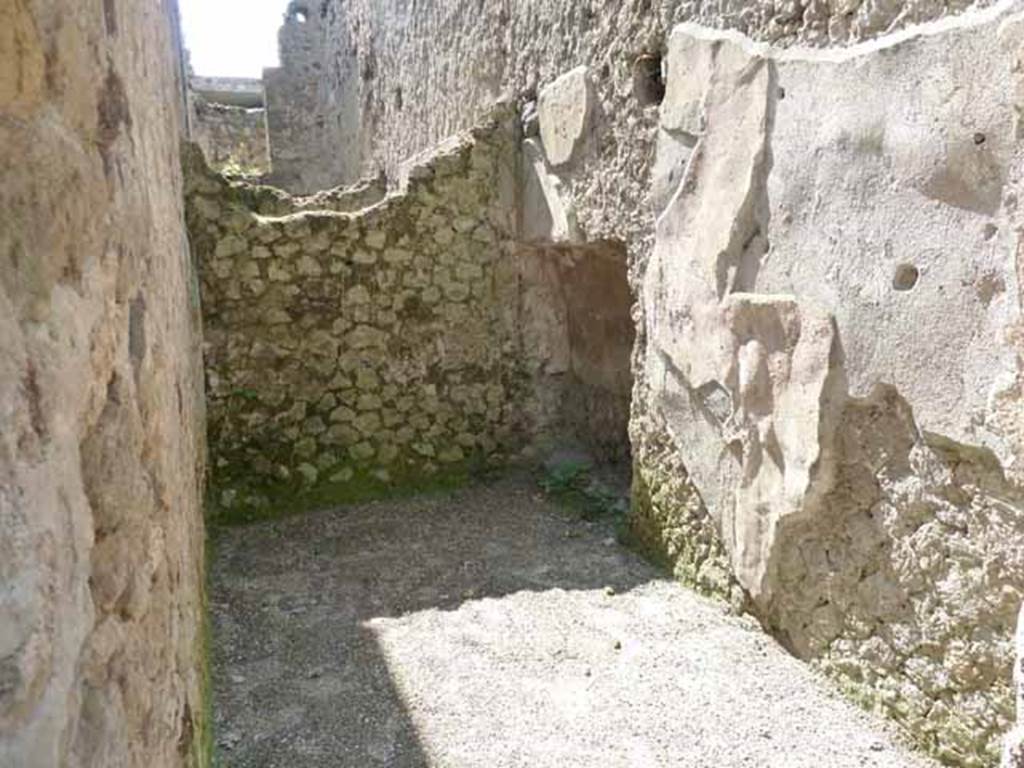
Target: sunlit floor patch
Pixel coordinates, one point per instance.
(488, 628)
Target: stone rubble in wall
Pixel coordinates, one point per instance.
(234, 139)
(341, 345)
(267, 200)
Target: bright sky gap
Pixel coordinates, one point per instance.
(232, 38)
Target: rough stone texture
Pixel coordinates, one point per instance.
(564, 111)
(233, 139)
(403, 342)
(1013, 757)
(244, 92)
(271, 201)
(297, 92)
(826, 413)
(365, 84)
(859, 460)
(101, 419)
(350, 348)
(489, 628)
(594, 287)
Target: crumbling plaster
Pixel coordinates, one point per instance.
(823, 247)
(366, 84)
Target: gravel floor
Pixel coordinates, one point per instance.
(488, 628)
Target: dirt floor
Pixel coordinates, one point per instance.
(489, 628)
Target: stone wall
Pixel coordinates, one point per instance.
(101, 418)
(355, 349)
(378, 81)
(577, 342)
(313, 116)
(826, 413)
(831, 320)
(1013, 757)
(360, 351)
(233, 138)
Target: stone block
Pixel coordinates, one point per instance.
(564, 110)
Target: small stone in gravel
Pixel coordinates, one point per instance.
(230, 739)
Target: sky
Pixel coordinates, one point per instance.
(232, 38)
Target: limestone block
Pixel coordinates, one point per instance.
(365, 336)
(309, 267)
(343, 476)
(830, 309)
(231, 245)
(548, 213)
(362, 451)
(286, 249)
(376, 239)
(564, 110)
(309, 473)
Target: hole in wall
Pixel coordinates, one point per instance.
(979, 139)
(905, 277)
(299, 14)
(648, 80)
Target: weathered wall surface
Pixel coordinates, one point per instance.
(826, 412)
(832, 313)
(378, 347)
(1013, 757)
(314, 117)
(346, 349)
(101, 437)
(232, 138)
(398, 344)
(578, 334)
(376, 82)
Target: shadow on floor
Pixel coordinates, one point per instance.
(299, 678)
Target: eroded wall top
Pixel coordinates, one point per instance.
(366, 84)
